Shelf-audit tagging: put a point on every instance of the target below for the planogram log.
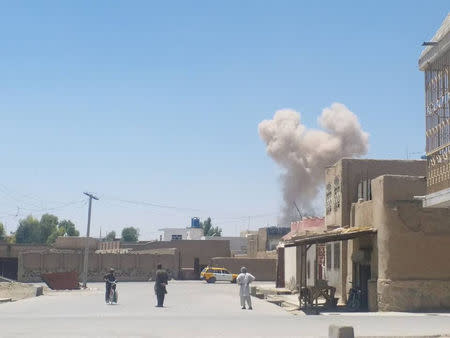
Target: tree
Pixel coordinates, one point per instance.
(11, 239)
(2, 232)
(28, 231)
(130, 234)
(69, 228)
(65, 228)
(55, 234)
(209, 229)
(111, 236)
(48, 225)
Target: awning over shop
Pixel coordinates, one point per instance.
(331, 236)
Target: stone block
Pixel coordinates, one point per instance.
(39, 291)
(335, 331)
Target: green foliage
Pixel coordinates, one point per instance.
(48, 225)
(209, 229)
(11, 239)
(69, 228)
(2, 232)
(29, 231)
(110, 236)
(130, 234)
(46, 230)
(58, 232)
(65, 228)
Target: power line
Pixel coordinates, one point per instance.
(163, 206)
(156, 205)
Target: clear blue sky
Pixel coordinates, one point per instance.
(160, 101)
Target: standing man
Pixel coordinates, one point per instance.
(160, 284)
(244, 279)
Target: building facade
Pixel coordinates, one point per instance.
(347, 182)
(176, 234)
(435, 63)
(393, 250)
(238, 245)
(315, 254)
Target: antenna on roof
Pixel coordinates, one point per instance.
(299, 213)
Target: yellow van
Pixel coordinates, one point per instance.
(212, 275)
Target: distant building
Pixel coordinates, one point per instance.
(174, 234)
(238, 245)
(194, 232)
(435, 63)
(266, 239)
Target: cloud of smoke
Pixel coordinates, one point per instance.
(305, 153)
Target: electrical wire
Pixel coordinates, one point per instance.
(156, 205)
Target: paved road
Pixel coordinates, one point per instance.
(194, 309)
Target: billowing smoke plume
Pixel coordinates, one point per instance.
(304, 153)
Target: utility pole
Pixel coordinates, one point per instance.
(86, 248)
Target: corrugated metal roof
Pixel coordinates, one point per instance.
(299, 228)
(339, 234)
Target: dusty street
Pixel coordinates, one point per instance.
(193, 309)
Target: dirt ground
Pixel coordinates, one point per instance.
(16, 291)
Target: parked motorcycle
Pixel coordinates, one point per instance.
(354, 299)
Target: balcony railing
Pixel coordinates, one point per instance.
(437, 114)
(438, 173)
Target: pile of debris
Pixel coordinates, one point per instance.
(11, 291)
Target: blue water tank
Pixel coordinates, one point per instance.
(195, 222)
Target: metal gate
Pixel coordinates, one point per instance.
(9, 267)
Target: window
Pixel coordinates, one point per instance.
(177, 237)
(337, 193)
(337, 255)
(328, 256)
(329, 199)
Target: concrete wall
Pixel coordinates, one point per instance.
(252, 245)
(167, 233)
(13, 250)
(269, 237)
(290, 267)
(334, 274)
(413, 247)
(311, 260)
(262, 239)
(346, 174)
(185, 233)
(76, 243)
(238, 245)
(194, 233)
(128, 267)
(189, 250)
(262, 269)
(363, 214)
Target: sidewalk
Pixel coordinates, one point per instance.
(283, 297)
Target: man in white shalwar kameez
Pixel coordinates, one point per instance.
(244, 279)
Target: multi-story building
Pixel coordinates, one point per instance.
(435, 63)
